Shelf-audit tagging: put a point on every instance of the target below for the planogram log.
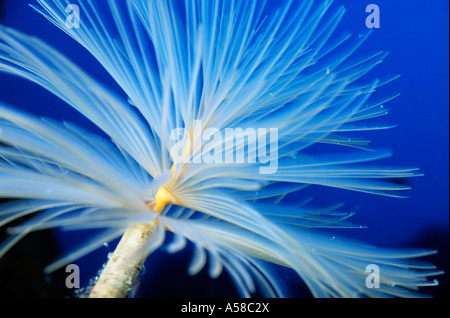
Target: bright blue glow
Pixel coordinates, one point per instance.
(382, 224)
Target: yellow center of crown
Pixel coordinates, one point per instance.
(163, 197)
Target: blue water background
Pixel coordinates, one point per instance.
(416, 35)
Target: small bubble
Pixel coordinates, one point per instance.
(129, 282)
(143, 270)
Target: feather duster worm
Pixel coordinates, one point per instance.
(203, 67)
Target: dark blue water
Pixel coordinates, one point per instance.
(416, 35)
